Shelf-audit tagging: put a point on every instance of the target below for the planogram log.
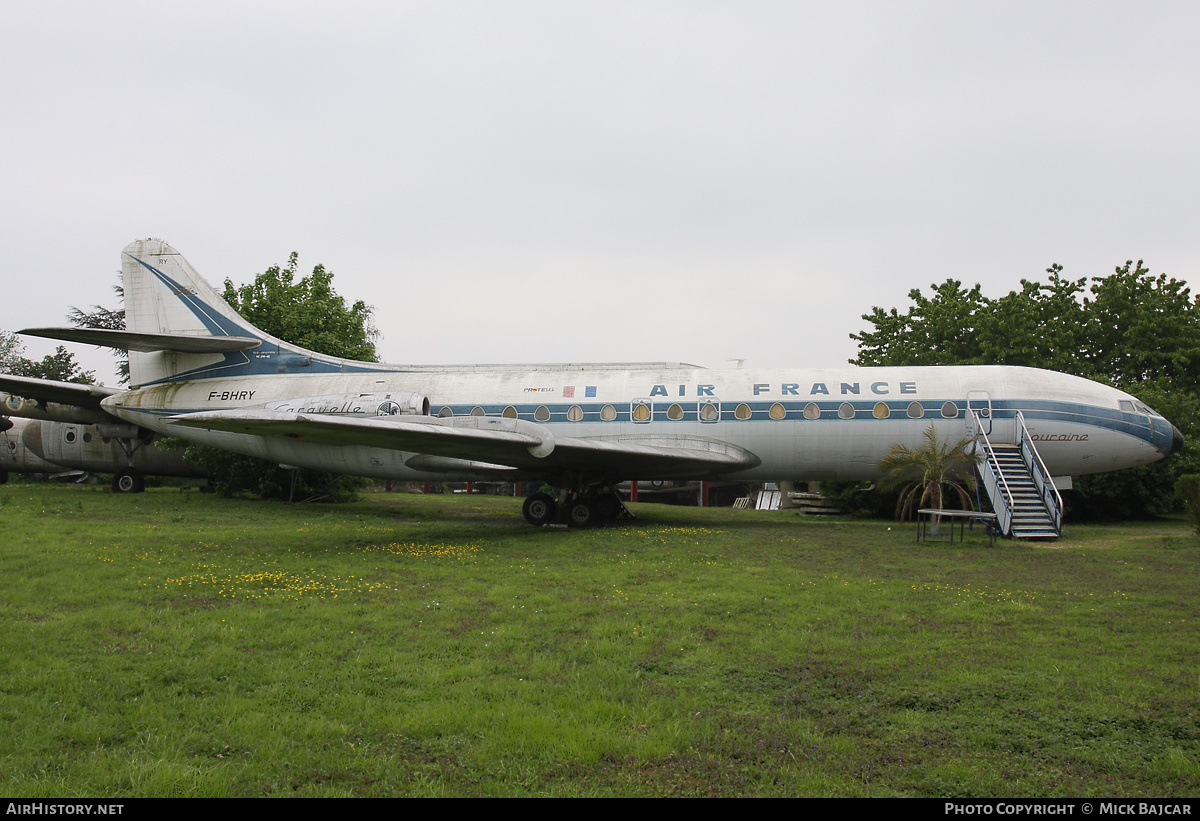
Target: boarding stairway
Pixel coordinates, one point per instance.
(1026, 502)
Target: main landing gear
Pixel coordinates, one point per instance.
(583, 508)
(130, 437)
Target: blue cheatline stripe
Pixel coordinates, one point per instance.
(1052, 411)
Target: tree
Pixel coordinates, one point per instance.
(935, 331)
(1037, 326)
(1188, 488)
(308, 313)
(59, 366)
(1130, 329)
(1141, 329)
(10, 351)
(930, 470)
(106, 319)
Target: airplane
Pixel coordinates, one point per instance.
(201, 372)
(14, 456)
(41, 446)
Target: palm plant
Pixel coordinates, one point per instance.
(926, 472)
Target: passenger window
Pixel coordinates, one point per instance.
(778, 411)
(510, 412)
(882, 411)
(574, 414)
(709, 412)
(674, 413)
(608, 413)
(846, 411)
(477, 411)
(916, 410)
(641, 412)
(742, 411)
(812, 411)
(445, 413)
(950, 410)
(542, 414)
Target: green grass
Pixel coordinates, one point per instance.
(177, 644)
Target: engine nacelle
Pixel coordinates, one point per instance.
(12, 405)
(380, 403)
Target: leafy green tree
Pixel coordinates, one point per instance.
(1130, 329)
(1188, 488)
(940, 330)
(1038, 326)
(106, 319)
(1141, 329)
(308, 312)
(59, 366)
(10, 351)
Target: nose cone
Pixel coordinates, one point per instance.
(1176, 441)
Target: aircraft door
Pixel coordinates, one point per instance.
(980, 402)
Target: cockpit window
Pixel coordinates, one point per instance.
(1134, 406)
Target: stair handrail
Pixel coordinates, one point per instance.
(1041, 474)
(1003, 517)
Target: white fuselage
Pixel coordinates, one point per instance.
(801, 423)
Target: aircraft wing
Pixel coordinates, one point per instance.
(66, 393)
(512, 443)
(57, 401)
(129, 341)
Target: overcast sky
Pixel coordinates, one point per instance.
(574, 181)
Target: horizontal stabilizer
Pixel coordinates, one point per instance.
(148, 343)
(514, 443)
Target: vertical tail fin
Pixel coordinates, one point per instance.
(165, 295)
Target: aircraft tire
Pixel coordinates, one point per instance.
(608, 507)
(128, 480)
(539, 509)
(581, 513)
